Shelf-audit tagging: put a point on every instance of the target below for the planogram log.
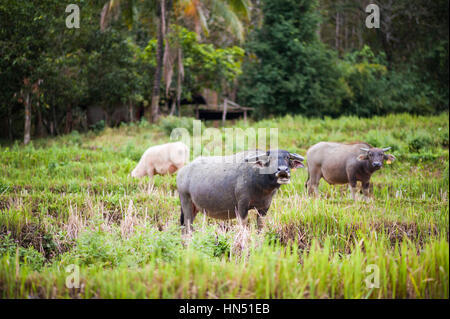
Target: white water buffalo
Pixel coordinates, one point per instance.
(162, 159)
(341, 163)
(227, 187)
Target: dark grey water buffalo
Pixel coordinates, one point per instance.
(227, 187)
(341, 163)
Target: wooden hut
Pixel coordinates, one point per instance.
(217, 109)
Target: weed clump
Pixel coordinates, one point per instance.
(169, 123)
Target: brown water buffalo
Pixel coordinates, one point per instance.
(341, 163)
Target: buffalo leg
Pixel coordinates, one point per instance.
(187, 213)
(260, 218)
(150, 174)
(365, 187)
(242, 212)
(313, 181)
(353, 189)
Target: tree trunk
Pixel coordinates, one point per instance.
(10, 132)
(173, 107)
(224, 114)
(131, 111)
(69, 120)
(27, 129)
(345, 23)
(159, 61)
(55, 123)
(336, 39)
(179, 78)
(40, 128)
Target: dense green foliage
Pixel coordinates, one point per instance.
(310, 57)
(70, 200)
(204, 65)
(288, 70)
(85, 68)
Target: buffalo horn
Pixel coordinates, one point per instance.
(386, 149)
(364, 149)
(255, 158)
(297, 157)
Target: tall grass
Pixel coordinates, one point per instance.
(70, 201)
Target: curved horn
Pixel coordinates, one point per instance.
(364, 149)
(254, 158)
(297, 157)
(386, 149)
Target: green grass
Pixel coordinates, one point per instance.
(69, 201)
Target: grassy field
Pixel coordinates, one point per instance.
(69, 201)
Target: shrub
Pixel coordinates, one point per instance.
(98, 247)
(111, 249)
(443, 137)
(143, 123)
(132, 152)
(445, 175)
(381, 139)
(169, 123)
(75, 138)
(423, 157)
(420, 141)
(98, 127)
(211, 244)
(29, 256)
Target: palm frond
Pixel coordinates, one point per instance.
(234, 25)
(110, 12)
(240, 7)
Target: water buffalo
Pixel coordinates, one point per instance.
(227, 187)
(341, 163)
(162, 159)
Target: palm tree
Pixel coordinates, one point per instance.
(231, 11)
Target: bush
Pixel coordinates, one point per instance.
(423, 157)
(420, 141)
(111, 249)
(169, 123)
(366, 90)
(29, 256)
(377, 138)
(98, 127)
(132, 152)
(443, 137)
(445, 175)
(143, 123)
(211, 244)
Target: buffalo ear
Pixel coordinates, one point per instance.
(259, 160)
(259, 163)
(295, 164)
(389, 157)
(362, 157)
